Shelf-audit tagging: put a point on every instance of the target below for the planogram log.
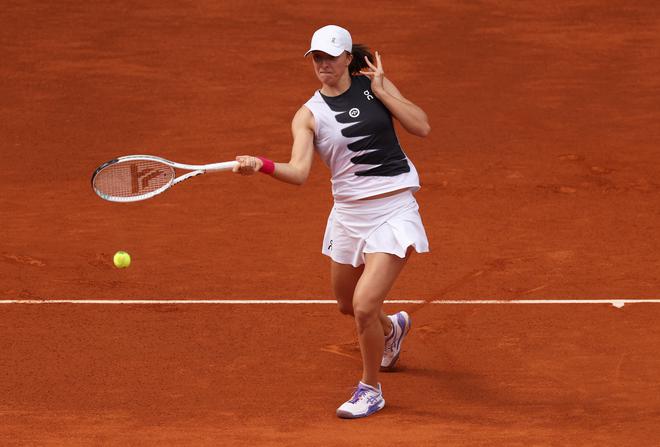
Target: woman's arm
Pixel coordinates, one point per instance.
(297, 169)
(411, 116)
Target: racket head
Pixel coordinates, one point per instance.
(132, 178)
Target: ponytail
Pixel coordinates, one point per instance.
(358, 63)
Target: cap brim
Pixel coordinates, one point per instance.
(331, 51)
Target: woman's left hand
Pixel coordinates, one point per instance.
(376, 74)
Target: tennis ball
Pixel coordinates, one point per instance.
(122, 259)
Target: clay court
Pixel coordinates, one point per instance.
(540, 196)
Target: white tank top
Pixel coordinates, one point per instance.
(355, 137)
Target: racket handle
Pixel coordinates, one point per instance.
(224, 166)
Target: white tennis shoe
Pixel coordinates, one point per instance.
(365, 401)
(400, 326)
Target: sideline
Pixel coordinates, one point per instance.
(614, 302)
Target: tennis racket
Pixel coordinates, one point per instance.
(140, 177)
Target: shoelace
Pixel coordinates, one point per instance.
(361, 393)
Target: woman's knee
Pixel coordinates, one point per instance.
(365, 315)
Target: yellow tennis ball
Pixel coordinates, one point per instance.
(122, 259)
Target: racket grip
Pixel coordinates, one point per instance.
(224, 166)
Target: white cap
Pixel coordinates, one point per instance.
(331, 39)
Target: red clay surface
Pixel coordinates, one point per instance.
(540, 181)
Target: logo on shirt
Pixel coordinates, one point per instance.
(367, 93)
(354, 112)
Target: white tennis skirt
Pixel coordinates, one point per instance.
(386, 225)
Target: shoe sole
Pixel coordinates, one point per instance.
(392, 366)
(347, 415)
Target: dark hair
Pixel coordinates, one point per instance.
(358, 63)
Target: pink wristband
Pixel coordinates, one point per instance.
(268, 166)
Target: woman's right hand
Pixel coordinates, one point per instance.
(247, 165)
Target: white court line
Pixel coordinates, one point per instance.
(613, 302)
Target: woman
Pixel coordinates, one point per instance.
(375, 223)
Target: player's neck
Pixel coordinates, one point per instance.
(342, 85)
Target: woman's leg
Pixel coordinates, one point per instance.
(380, 272)
(344, 278)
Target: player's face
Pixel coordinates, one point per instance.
(329, 69)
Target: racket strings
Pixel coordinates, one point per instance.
(132, 179)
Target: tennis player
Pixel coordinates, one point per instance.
(375, 222)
